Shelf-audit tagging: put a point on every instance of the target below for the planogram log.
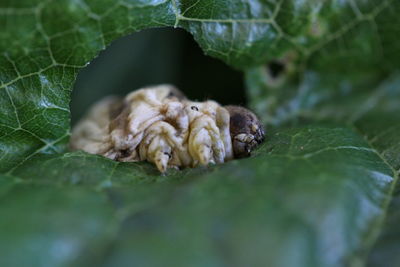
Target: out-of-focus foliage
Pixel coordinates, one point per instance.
(324, 77)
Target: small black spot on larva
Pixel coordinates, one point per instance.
(124, 153)
(194, 108)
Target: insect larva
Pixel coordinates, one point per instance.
(160, 125)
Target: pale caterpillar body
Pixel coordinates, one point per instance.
(158, 124)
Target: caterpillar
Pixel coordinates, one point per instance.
(160, 125)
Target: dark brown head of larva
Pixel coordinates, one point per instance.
(246, 131)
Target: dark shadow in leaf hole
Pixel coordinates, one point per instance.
(276, 68)
(155, 56)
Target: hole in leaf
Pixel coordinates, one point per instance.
(276, 68)
(156, 56)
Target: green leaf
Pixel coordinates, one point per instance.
(315, 194)
(301, 183)
(373, 114)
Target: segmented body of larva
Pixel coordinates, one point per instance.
(160, 125)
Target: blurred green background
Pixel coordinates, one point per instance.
(154, 56)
